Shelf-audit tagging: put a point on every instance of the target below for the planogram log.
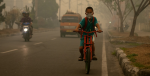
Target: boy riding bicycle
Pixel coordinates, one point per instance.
(88, 24)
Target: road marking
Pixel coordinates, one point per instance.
(104, 59)
(9, 51)
(38, 43)
(53, 39)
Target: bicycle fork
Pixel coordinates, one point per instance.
(87, 45)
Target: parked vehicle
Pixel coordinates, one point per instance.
(68, 23)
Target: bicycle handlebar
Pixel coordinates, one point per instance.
(87, 32)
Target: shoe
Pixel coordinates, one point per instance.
(94, 57)
(80, 58)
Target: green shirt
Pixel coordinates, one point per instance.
(89, 26)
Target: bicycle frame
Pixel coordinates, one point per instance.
(87, 42)
(88, 49)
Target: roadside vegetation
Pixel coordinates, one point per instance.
(139, 55)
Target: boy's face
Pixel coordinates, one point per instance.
(88, 11)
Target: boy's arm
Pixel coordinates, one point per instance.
(77, 28)
(98, 27)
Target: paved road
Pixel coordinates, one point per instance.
(47, 54)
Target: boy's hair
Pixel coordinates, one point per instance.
(89, 8)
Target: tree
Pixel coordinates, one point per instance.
(32, 14)
(143, 4)
(108, 3)
(116, 6)
(2, 18)
(11, 17)
(47, 8)
(27, 9)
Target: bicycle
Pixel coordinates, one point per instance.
(87, 49)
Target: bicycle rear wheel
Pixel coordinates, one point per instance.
(87, 61)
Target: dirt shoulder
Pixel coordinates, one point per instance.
(125, 36)
(138, 54)
(9, 31)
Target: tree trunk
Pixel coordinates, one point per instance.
(11, 25)
(121, 25)
(133, 26)
(6, 26)
(18, 26)
(121, 18)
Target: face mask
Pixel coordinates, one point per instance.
(89, 16)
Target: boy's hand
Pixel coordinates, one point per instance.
(100, 31)
(76, 30)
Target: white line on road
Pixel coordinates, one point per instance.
(104, 59)
(53, 39)
(38, 43)
(9, 51)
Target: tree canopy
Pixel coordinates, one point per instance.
(1, 9)
(47, 8)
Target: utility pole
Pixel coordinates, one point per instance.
(59, 9)
(77, 6)
(81, 8)
(14, 3)
(69, 3)
(36, 7)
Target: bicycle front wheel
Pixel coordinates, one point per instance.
(87, 61)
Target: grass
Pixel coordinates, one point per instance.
(131, 44)
(131, 57)
(138, 65)
(134, 44)
(123, 48)
(114, 53)
(122, 43)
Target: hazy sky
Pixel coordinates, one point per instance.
(18, 3)
(65, 6)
